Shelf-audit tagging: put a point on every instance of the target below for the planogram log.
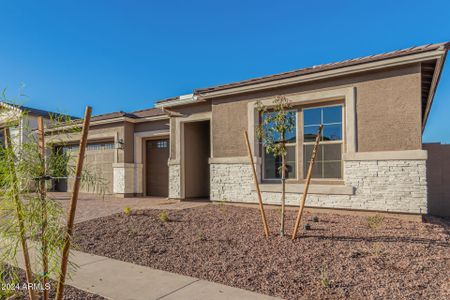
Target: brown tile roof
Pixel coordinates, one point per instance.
(113, 115)
(150, 112)
(168, 99)
(144, 113)
(326, 67)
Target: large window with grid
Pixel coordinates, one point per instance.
(329, 157)
(272, 164)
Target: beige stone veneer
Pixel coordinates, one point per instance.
(174, 181)
(379, 185)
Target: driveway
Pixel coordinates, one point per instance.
(91, 206)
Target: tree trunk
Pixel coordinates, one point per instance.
(19, 211)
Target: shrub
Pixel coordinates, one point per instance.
(127, 211)
(222, 207)
(324, 279)
(374, 221)
(378, 250)
(164, 216)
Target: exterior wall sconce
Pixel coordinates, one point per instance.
(120, 143)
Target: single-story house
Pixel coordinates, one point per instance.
(20, 132)
(374, 110)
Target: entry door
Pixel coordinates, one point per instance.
(157, 171)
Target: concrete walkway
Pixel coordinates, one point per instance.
(118, 280)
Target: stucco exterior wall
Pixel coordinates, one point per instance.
(152, 125)
(185, 111)
(388, 111)
(438, 174)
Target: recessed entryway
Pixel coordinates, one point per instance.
(157, 171)
(197, 149)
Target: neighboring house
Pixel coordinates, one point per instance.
(28, 120)
(374, 110)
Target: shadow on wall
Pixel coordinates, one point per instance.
(438, 178)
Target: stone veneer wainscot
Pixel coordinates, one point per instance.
(394, 185)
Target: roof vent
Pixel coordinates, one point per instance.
(187, 96)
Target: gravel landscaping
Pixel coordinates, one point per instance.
(342, 256)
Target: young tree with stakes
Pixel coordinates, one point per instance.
(29, 218)
(277, 121)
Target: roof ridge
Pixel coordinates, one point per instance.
(141, 110)
(327, 66)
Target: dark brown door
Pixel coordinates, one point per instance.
(157, 171)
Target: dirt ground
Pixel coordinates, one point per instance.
(342, 256)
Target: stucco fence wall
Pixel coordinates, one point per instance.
(378, 185)
(438, 177)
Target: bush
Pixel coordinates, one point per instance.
(374, 221)
(127, 211)
(164, 216)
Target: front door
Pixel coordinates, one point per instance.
(157, 171)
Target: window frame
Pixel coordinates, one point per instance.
(342, 141)
(296, 110)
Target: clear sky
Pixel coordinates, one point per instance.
(124, 55)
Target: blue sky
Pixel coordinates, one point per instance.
(124, 55)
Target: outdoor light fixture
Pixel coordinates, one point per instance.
(119, 144)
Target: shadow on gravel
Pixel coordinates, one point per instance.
(385, 239)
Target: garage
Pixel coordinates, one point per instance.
(98, 162)
(157, 171)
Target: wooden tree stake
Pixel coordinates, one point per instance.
(255, 178)
(43, 196)
(308, 180)
(73, 203)
(22, 233)
(283, 186)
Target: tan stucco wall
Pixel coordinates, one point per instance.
(128, 138)
(152, 125)
(186, 111)
(388, 111)
(197, 152)
(173, 144)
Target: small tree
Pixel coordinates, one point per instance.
(28, 217)
(277, 121)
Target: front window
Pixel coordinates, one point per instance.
(329, 157)
(272, 163)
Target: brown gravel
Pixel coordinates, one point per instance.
(341, 256)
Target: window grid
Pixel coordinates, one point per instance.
(90, 147)
(323, 142)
